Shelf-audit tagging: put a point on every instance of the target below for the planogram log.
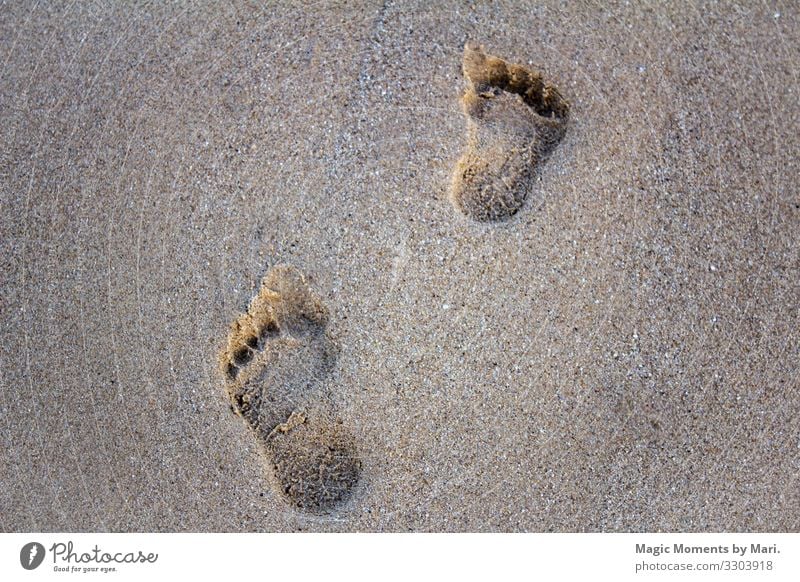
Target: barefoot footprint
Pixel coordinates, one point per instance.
(514, 120)
(276, 356)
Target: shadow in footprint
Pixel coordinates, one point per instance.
(514, 120)
(275, 359)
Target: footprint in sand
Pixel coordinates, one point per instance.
(514, 120)
(276, 357)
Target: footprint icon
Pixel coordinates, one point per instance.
(514, 120)
(275, 360)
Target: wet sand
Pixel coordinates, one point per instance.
(620, 355)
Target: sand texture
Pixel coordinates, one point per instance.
(292, 267)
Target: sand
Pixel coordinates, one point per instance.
(621, 354)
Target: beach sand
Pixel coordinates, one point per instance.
(619, 355)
